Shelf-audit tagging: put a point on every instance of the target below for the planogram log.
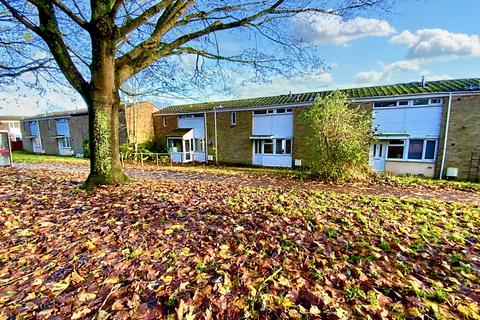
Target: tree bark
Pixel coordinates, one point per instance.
(103, 106)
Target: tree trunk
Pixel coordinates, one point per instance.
(103, 106)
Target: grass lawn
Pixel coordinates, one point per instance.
(206, 250)
(27, 157)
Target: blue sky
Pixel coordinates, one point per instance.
(439, 39)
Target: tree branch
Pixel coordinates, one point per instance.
(52, 36)
(144, 17)
(82, 23)
(141, 56)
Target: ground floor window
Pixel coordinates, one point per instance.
(396, 149)
(65, 142)
(273, 146)
(200, 145)
(412, 149)
(174, 145)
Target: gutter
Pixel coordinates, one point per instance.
(447, 125)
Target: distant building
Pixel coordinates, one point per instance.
(13, 127)
(64, 133)
(5, 146)
(420, 128)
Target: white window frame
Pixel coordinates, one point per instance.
(404, 145)
(406, 149)
(164, 121)
(233, 118)
(65, 143)
(410, 103)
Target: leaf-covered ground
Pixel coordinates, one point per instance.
(220, 249)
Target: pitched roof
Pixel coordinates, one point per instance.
(79, 112)
(10, 118)
(399, 89)
(179, 132)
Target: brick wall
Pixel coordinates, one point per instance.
(139, 122)
(463, 135)
(78, 132)
(234, 144)
(48, 131)
(160, 131)
(27, 142)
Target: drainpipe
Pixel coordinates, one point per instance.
(447, 124)
(205, 135)
(216, 135)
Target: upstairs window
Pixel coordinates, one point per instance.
(384, 104)
(233, 118)
(420, 102)
(260, 112)
(164, 121)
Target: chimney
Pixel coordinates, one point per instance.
(424, 84)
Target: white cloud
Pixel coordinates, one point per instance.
(281, 85)
(438, 44)
(387, 72)
(332, 29)
(404, 37)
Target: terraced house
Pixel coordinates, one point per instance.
(428, 128)
(64, 133)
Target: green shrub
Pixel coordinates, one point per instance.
(340, 138)
(86, 148)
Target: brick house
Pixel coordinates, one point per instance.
(420, 128)
(64, 133)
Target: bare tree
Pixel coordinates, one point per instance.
(99, 44)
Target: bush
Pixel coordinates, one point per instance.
(86, 148)
(339, 140)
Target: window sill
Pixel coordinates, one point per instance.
(410, 160)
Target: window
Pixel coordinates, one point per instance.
(288, 146)
(384, 104)
(61, 127)
(279, 149)
(164, 121)
(289, 110)
(403, 103)
(199, 145)
(187, 146)
(435, 101)
(395, 149)
(174, 145)
(430, 149)
(16, 124)
(260, 112)
(270, 111)
(65, 143)
(415, 149)
(420, 102)
(268, 146)
(34, 131)
(233, 118)
(257, 145)
(281, 110)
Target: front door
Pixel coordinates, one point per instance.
(378, 153)
(37, 145)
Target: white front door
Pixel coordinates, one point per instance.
(378, 153)
(37, 145)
